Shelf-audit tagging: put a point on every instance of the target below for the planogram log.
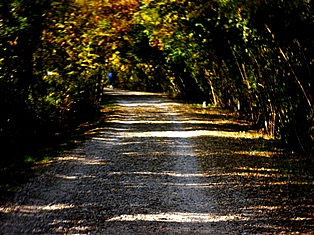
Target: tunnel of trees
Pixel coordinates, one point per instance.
(253, 57)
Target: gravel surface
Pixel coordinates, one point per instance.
(160, 167)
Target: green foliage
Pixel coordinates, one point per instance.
(255, 57)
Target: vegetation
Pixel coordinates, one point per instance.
(253, 57)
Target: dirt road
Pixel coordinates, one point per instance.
(161, 167)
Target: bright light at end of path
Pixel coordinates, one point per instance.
(140, 104)
(179, 217)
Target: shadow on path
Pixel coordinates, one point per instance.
(157, 166)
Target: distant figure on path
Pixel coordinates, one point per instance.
(111, 78)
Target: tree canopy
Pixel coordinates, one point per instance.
(252, 57)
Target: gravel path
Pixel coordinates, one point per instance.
(157, 167)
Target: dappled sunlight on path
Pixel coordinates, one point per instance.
(156, 166)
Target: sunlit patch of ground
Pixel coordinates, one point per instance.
(81, 160)
(189, 134)
(35, 208)
(180, 217)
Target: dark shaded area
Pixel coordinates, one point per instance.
(18, 165)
